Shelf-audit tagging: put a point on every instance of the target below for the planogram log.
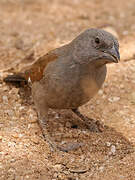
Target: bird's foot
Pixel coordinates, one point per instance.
(54, 147)
(66, 148)
(70, 147)
(91, 124)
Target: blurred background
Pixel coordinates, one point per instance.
(48, 23)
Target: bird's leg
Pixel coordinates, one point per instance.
(53, 145)
(42, 123)
(42, 110)
(42, 120)
(93, 126)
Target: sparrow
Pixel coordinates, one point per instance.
(69, 76)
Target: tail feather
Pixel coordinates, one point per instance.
(15, 79)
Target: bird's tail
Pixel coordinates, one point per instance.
(15, 79)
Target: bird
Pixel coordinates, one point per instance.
(69, 76)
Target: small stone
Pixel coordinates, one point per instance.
(121, 86)
(68, 124)
(61, 176)
(55, 175)
(57, 116)
(21, 135)
(108, 144)
(125, 33)
(5, 99)
(12, 160)
(113, 99)
(32, 120)
(2, 153)
(101, 168)
(100, 92)
(35, 140)
(21, 108)
(57, 167)
(113, 150)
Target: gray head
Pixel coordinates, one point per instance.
(95, 45)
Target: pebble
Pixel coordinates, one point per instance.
(121, 86)
(125, 33)
(113, 150)
(68, 124)
(57, 116)
(32, 119)
(35, 140)
(21, 107)
(21, 135)
(57, 167)
(108, 144)
(100, 92)
(101, 168)
(55, 175)
(5, 99)
(12, 160)
(113, 99)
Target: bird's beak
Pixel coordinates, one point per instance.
(113, 54)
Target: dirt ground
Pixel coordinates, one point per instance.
(36, 26)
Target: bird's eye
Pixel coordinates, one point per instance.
(97, 41)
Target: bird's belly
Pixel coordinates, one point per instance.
(75, 92)
(74, 96)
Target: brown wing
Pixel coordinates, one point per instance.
(34, 71)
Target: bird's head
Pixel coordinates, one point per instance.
(97, 46)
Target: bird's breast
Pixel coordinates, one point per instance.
(92, 82)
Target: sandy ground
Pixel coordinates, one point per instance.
(36, 26)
